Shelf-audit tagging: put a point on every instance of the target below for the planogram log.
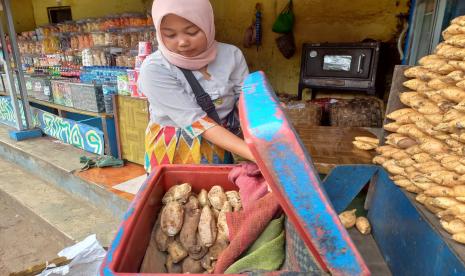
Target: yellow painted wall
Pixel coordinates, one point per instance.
(23, 15)
(87, 8)
(316, 21)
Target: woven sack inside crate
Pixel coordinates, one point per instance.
(298, 258)
(303, 113)
(358, 112)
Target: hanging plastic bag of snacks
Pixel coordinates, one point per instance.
(87, 59)
(124, 40)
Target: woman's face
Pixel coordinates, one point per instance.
(182, 36)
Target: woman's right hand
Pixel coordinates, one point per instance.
(225, 139)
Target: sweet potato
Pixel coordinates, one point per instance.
(397, 177)
(423, 185)
(403, 183)
(434, 118)
(190, 265)
(172, 267)
(429, 59)
(203, 198)
(406, 162)
(348, 218)
(455, 63)
(198, 251)
(220, 245)
(437, 84)
(161, 238)
(453, 29)
(417, 85)
(411, 130)
(460, 84)
(428, 108)
(222, 225)
(433, 146)
(437, 191)
(421, 157)
(369, 140)
(444, 178)
(206, 263)
(379, 160)
(453, 143)
(363, 145)
(461, 217)
(207, 227)
(399, 155)
(413, 189)
(413, 150)
(421, 198)
(398, 113)
(421, 73)
(459, 237)
(428, 205)
(363, 225)
(408, 97)
(405, 119)
(406, 143)
(458, 209)
(433, 168)
(172, 217)
(459, 20)
(188, 234)
(459, 190)
(217, 197)
(435, 96)
(453, 227)
(453, 93)
(176, 251)
(234, 199)
(418, 177)
(392, 127)
(444, 202)
(386, 148)
(178, 193)
(439, 156)
(392, 168)
(455, 76)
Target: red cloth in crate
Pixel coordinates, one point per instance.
(249, 179)
(260, 207)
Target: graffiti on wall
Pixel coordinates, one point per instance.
(79, 135)
(7, 115)
(71, 132)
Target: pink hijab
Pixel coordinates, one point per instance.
(199, 12)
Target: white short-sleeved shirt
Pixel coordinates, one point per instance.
(172, 102)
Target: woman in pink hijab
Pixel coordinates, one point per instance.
(190, 65)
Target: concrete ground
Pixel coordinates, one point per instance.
(74, 217)
(25, 239)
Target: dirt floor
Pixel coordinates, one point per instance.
(25, 239)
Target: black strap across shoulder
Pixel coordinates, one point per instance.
(202, 98)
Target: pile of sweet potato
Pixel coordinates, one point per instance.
(191, 228)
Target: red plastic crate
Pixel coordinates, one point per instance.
(131, 242)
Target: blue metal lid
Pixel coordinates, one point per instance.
(289, 170)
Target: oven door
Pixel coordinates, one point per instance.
(340, 62)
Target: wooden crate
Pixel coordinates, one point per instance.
(132, 118)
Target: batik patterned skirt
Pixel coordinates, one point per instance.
(172, 145)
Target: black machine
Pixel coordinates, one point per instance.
(340, 66)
